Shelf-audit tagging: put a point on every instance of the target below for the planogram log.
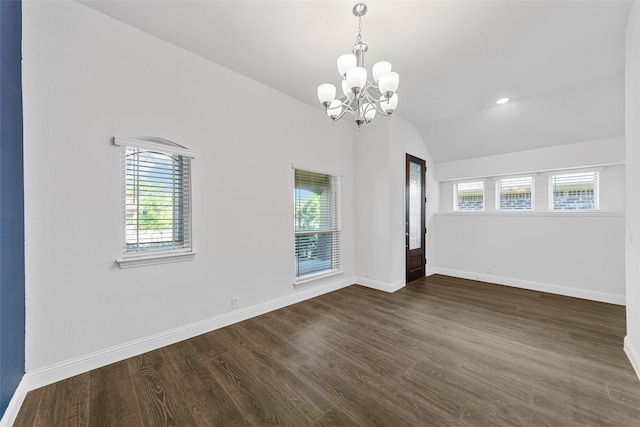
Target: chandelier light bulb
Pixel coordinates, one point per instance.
(380, 68)
(388, 83)
(389, 105)
(334, 109)
(345, 63)
(356, 78)
(326, 93)
(346, 90)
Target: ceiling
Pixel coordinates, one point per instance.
(561, 62)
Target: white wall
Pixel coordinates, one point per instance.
(406, 139)
(632, 128)
(380, 183)
(580, 154)
(575, 254)
(580, 255)
(372, 176)
(88, 78)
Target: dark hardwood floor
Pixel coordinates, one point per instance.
(440, 352)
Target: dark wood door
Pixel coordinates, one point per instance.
(415, 229)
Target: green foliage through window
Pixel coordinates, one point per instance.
(316, 223)
(155, 184)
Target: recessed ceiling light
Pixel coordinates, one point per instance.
(502, 101)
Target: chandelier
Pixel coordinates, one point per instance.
(362, 98)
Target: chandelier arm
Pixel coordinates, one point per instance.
(373, 87)
(379, 110)
(346, 108)
(368, 96)
(373, 101)
(376, 104)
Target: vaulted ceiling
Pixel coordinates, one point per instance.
(561, 62)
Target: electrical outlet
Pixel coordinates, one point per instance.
(235, 302)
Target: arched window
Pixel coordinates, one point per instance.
(156, 198)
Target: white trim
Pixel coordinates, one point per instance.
(68, 368)
(154, 144)
(633, 353)
(164, 258)
(11, 413)
(333, 230)
(586, 169)
(381, 286)
(316, 276)
(312, 169)
(556, 214)
(595, 167)
(535, 286)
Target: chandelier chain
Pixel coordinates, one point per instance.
(359, 38)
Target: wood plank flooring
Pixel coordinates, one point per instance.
(440, 352)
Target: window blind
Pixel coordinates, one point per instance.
(469, 196)
(157, 201)
(516, 193)
(574, 191)
(317, 223)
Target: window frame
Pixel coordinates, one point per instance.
(171, 149)
(596, 190)
(334, 230)
(455, 195)
(498, 197)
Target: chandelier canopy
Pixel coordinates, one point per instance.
(362, 98)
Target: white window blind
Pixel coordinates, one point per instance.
(317, 223)
(156, 198)
(515, 193)
(469, 196)
(574, 191)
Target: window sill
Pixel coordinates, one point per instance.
(311, 277)
(566, 213)
(143, 260)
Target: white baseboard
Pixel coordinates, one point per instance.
(535, 286)
(15, 403)
(381, 286)
(60, 371)
(633, 353)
